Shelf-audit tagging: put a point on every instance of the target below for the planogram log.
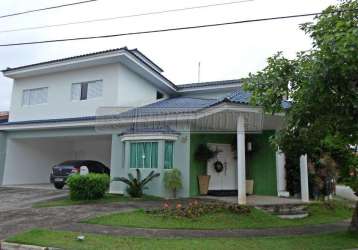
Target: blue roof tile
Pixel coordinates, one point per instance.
(176, 105)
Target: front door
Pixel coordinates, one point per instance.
(226, 179)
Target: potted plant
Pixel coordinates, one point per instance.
(202, 154)
(172, 181)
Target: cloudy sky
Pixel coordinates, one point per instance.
(227, 52)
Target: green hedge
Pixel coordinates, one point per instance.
(88, 187)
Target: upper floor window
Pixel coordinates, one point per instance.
(86, 90)
(34, 96)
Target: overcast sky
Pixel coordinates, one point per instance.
(227, 52)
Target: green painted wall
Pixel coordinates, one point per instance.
(260, 164)
(199, 168)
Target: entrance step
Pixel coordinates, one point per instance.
(286, 211)
(222, 192)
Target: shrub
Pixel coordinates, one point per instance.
(172, 180)
(88, 187)
(136, 185)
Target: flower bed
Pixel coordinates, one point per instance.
(195, 209)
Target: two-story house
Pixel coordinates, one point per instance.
(116, 107)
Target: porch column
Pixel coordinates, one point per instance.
(304, 178)
(280, 172)
(241, 171)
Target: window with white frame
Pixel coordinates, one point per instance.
(34, 96)
(86, 90)
(168, 154)
(143, 155)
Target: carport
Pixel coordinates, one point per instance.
(29, 160)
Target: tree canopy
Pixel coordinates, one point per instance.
(322, 86)
(321, 83)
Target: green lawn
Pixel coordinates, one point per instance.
(67, 240)
(109, 198)
(319, 214)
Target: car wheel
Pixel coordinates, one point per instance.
(59, 185)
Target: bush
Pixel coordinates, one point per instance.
(172, 180)
(88, 187)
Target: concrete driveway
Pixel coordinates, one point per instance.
(18, 215)
(23, 197)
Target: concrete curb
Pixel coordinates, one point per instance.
(15, 246)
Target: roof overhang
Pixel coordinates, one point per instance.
(122, 56)
(108, 122)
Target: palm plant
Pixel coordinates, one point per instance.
(136, 185)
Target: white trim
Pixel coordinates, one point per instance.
(171, 117)
(149, 137)
(65, 62)
(160, 78)
(90, 58)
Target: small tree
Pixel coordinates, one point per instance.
(136, 185)
(172, 181)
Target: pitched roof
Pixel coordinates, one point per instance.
(152, 129)
(176, 105)
(208, 84)
(134, 52)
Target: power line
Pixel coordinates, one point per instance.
(125, 16)
(171, 29)
(47, 8)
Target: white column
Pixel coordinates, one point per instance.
(304, 178)
(280, 172)
(241, 171)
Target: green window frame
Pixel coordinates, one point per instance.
(143, 155)
(168, 154)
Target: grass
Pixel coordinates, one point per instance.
(319, 214)
(108, 198)
(67, 240)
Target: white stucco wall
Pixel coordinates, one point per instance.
(92, 148)
(29, 161)
(121, 87)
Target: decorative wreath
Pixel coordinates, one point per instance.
(218, 166)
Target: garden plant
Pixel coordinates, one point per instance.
(136, 186)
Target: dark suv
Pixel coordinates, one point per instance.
(61, 171)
